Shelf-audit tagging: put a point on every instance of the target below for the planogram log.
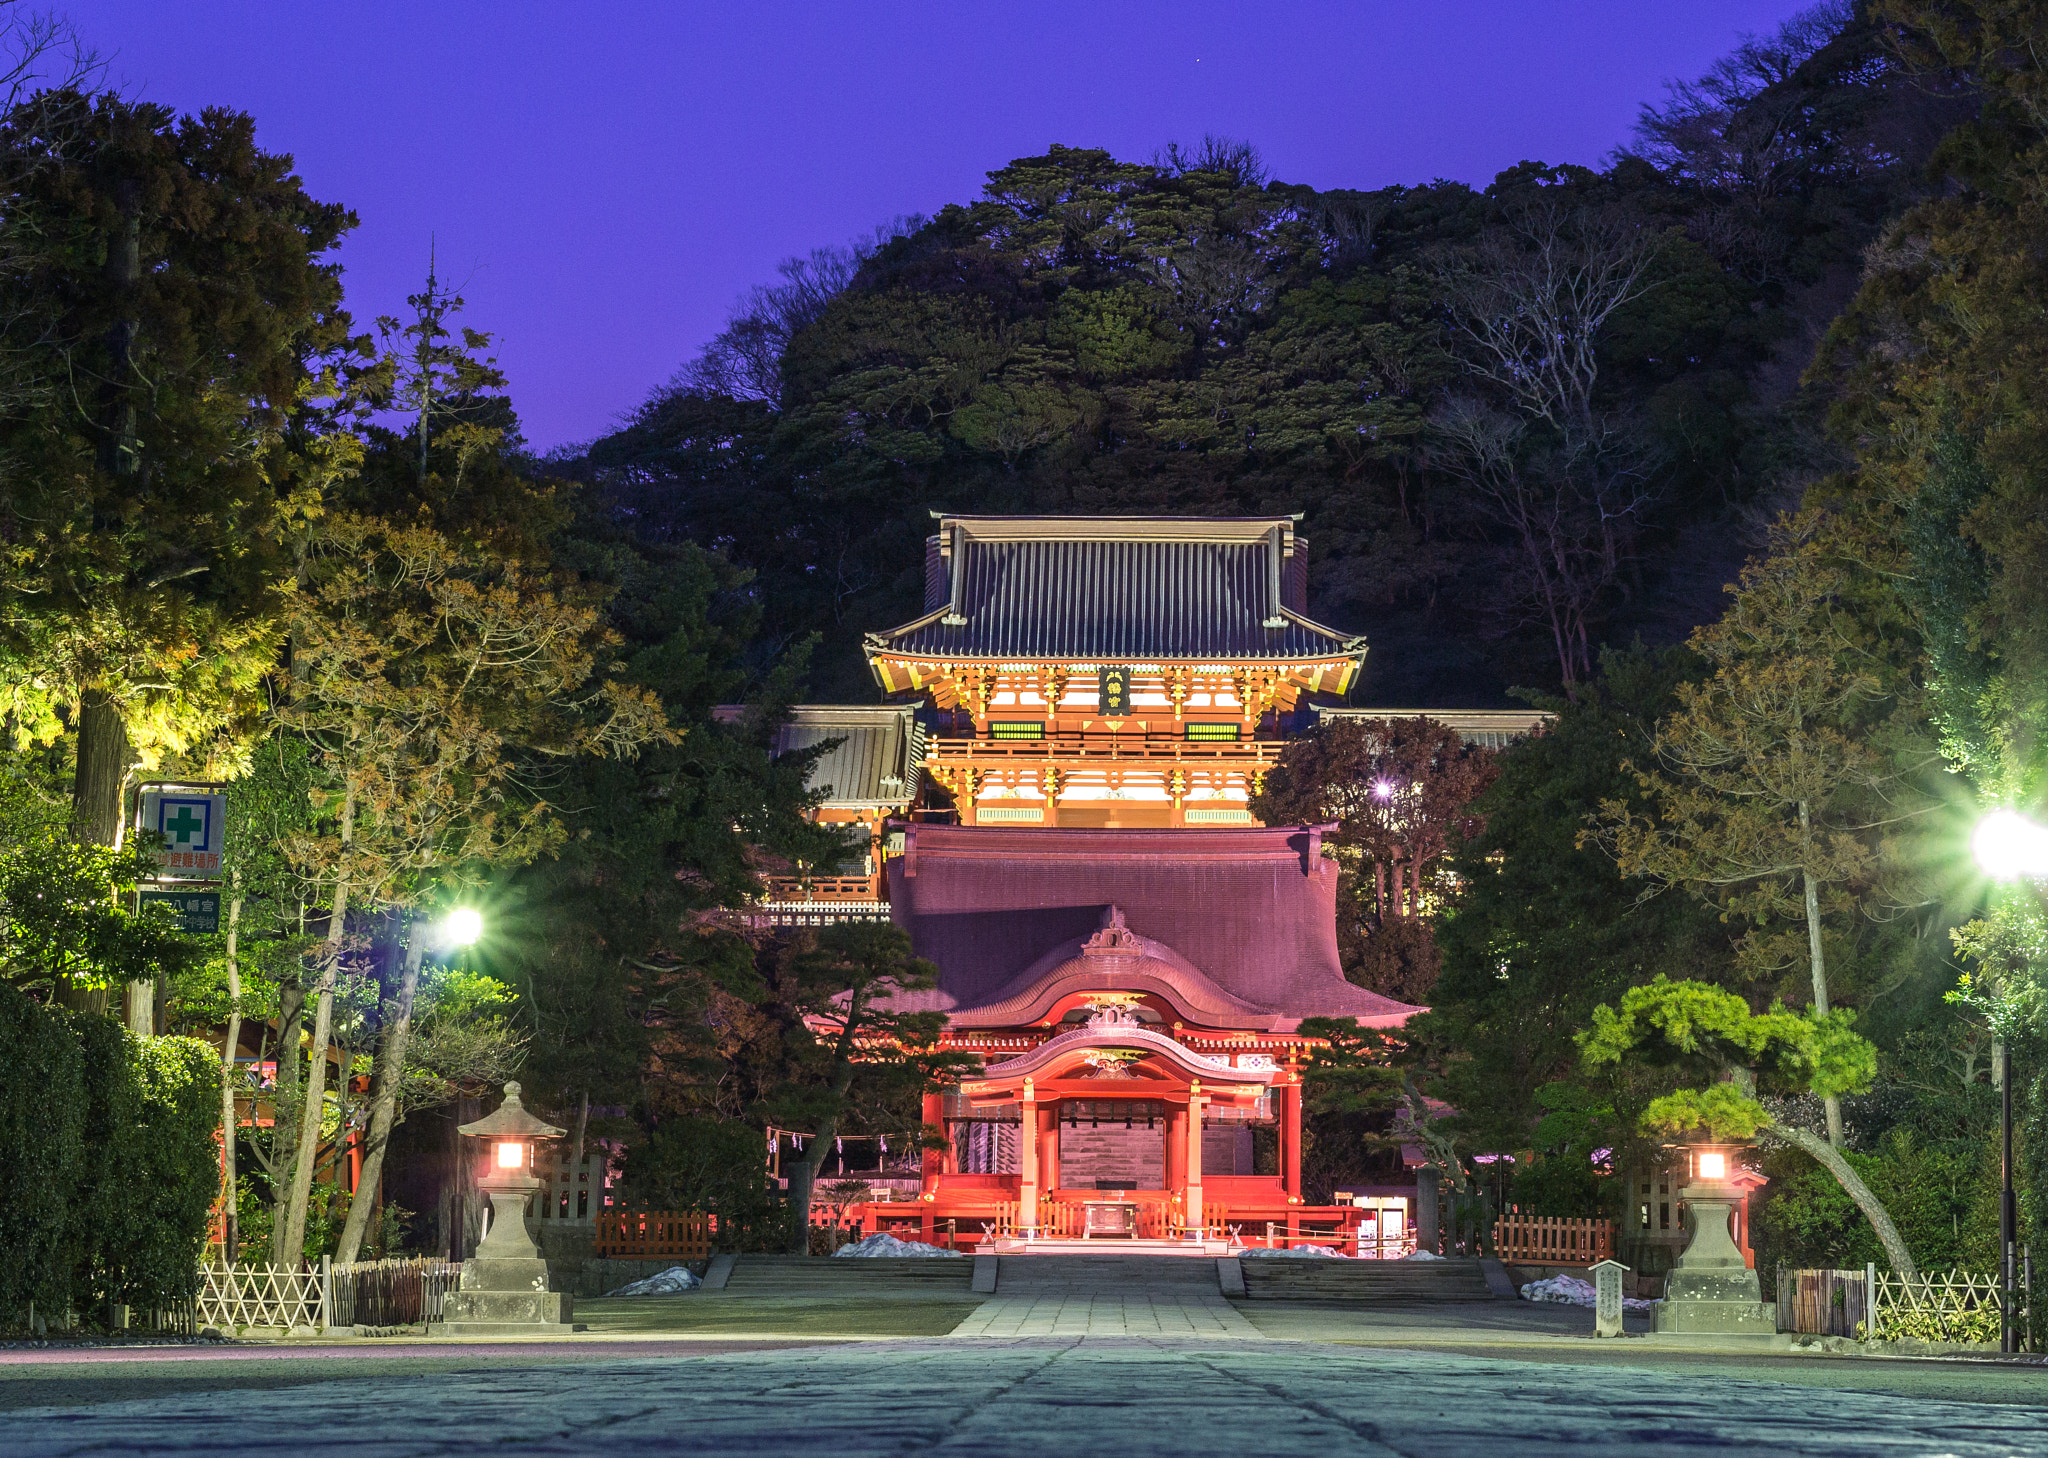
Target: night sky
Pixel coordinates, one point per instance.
(605, 179)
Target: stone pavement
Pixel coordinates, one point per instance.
(1134, 1397)
(1084, 1313)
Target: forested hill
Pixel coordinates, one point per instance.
(1521, 422)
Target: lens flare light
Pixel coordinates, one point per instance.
(461, 926)
(2008, 846)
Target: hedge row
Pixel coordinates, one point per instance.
(111, 1161)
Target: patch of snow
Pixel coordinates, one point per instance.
(1422, 1255)
(1571, 1291)
(883, 1244)
(666, 1283)
(1311, 1252)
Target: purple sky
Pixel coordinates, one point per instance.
(608, 177)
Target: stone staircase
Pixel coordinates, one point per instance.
(787, 1275)
(1109, 1275)
(1366, 1283)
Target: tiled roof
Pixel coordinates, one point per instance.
(1117, 589)
(877, 763)
(1245, 920)
(1487, 728)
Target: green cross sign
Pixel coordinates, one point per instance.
(186, 824)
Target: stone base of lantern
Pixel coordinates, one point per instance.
(1721, 1318)
(1712, 1291)
(504, 1290)
(508, 1313)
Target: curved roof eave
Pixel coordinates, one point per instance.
(1054, 1051)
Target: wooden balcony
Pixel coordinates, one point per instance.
(1106, 750)
(821, 900)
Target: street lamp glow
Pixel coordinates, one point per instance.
(2008, 845)
(462, 926)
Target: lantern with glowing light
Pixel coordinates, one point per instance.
(505, 1284)
(1713, 1288)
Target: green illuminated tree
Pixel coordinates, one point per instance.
(1707, 1041)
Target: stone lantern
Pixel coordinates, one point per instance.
(504, 1290)
(1713, 1288)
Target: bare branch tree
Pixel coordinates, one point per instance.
(1567, 484)
(744, 361)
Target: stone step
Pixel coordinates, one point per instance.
(1107, 1274)
(1382, 1283)
(759, 1275)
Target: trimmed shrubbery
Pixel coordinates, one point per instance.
(112, 1161)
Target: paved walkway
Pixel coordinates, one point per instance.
(1130, 1396)
(1086, 1314)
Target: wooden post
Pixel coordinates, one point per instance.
(933, 1164)
(1027, 1139)
(1290, 1135)
(1049, 1146)
(1194, 1164)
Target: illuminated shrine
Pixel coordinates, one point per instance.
(1056, 808)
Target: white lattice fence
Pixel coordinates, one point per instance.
(233, 1297)
(1954, 1306)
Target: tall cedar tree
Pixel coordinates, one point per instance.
(850, 1046)
(1778, 774)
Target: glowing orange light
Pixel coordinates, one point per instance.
(1713, 1166)
(511, 1156)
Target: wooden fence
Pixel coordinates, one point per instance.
(300, 1298)
(1948, 1306)
(1553, 1240)
(647, 1235)
(389, 1293)
(232, 1298)
(1823, 1303)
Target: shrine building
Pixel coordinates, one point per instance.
(1056, 810)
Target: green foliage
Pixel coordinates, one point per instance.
(1979, 1324)
(163, 415)
(114, 1163)
(169, 1166)
(1541, 929)
(1696, 1031)
(42, 1126)
(702, 1162)
(63, 920)
(1937, 1197)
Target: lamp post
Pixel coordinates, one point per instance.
(2009, 847)
(504, 1290)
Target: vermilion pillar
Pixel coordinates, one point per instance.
(1194, 1160)
(1049, 1147)
(1176, 1151)
(1290, 1135)
(935, 1161)
(1027, 1139)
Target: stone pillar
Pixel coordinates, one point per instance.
(1194, 1160)
(1428, 1217)
(1027, 1151)
(1607, 1298)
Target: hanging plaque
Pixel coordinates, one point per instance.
(1113, 692)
